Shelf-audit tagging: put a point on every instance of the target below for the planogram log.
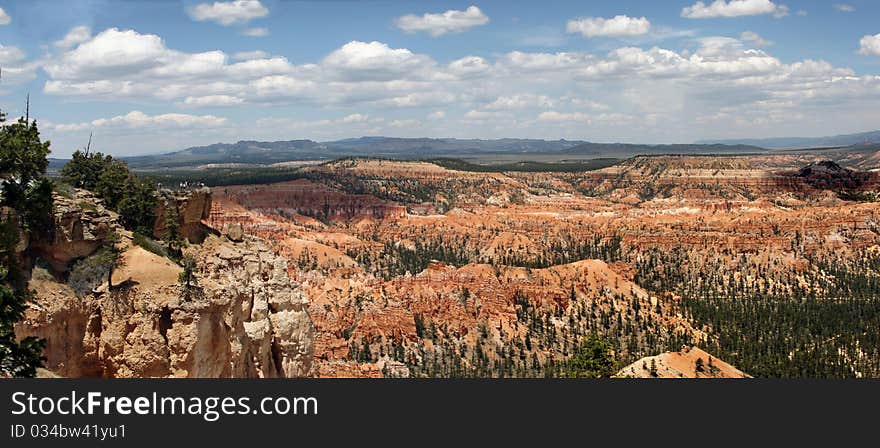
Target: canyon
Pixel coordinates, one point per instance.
(382, 268)
(441, 272)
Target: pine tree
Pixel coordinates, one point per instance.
(593, 360)
(26, 191)
(172, 229)
(187, 277)
(109, 257)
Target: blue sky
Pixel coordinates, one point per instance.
(154, 76)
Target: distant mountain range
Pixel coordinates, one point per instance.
(249, 152)
(804, 142)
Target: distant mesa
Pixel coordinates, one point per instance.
(249, 152)
(862, 138)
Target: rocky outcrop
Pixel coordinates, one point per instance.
(828, 175)
(690, 362)
(245, 319)
(263, 314)
(81, 225)
(192, 206)
(311, 199)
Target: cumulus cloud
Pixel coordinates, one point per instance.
(212, 101)
(520, 101)
(74, 37)
(124, 63)
(452, 21)
(563, 118)
(4, 18)
(733, 8)
(110, 51)
(15, 66)
(870, 45)
(127, 63)
(409, 123)
(374, 61)
(229, 13)
(420, 99)
(469, 66)
(355, 118)
(482, 115)
(250, 55)
(139, 120)
(755, 39)
(10, 55)
(552, 115)
(653, 89)
(616, 26)
(327, 128)
(844, 7)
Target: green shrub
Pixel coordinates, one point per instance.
(86, 275)
(150, 245)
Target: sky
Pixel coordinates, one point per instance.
(152, 76)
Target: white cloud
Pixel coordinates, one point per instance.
(10, 55)
(844, 7)
(469, 66)
(4, 18)
(553, 115)
(229, 13)
(15, 66)
(522, 61)
(355, 118)
(733, 8)
(326, 128)
(658, 91)
(582, 103)
(404, 123)
(74, 37)
(120, 64)
(110, 51)
(212, 101)
(249, 55)
(755, 39)
(139, 120)
(374, 61)
(280, 87)
(580, 118)
(481, 115)
(870, 45)
(616, 26)
(420, 99)
(255, 67)
(452, 21)
(520, 101)
(256, 32)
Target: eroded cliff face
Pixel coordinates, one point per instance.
(192, 207)
(264, 315)
(244, 318)
(81, 225)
